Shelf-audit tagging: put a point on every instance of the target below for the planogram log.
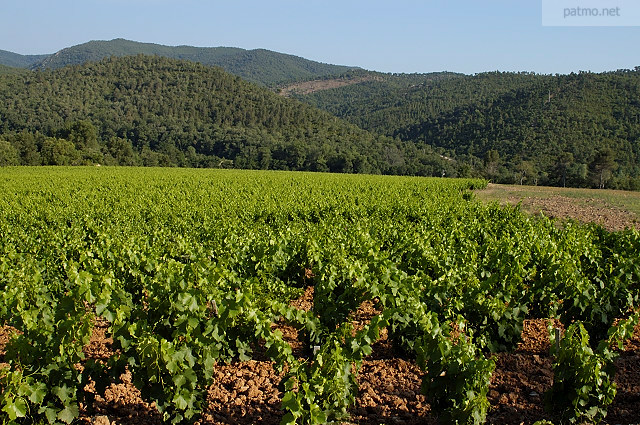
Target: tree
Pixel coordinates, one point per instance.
(578, 174)
(8, 154)
(491, 161)
(122, 151)
(563, 164)
(82, 134)
(149, 157)
(28, 146)
(264, 157)
(58, 152)
(526, 170)
(602, 165)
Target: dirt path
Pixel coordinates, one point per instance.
(308, 87)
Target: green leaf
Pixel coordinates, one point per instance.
(290, 402)
(17, 409)
(50, 413)
(182, 399)
(38, 393)
(179, 380)
(318, 416)
(63, 393)
(68, 414)
(288, 419)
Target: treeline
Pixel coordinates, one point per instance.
(154, 111)
(510, 127)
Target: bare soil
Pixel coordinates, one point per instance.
(389, 385)
(588, 211)
(584, 205)
(308, 87)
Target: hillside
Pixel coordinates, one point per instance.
(327, 83)
(334, 98)
(538, 129)
(258, 66)
(394, 101)
(578, 130)
(579, 114)
(157, 111)
(11, 70)
(16, 60)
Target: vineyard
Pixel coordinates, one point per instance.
(188, 273)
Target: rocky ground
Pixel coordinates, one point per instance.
(389, 385)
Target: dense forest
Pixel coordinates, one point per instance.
(148, 110)
(579, 129)
(259, 66)
(4, 69)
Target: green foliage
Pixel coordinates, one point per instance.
(42, 381)
(259, 66)
(59, 152)
(8, 154)
(8, 70)
(544, 129)
(457, 375)
(321, 389)
(190, 268)
(457, 379)
(602, 166)
(16, 60)
(520, 116)
(155, 111)
(583, 384)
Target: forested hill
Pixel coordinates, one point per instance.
(259, 66)
(11, 70)
(576, 130)
(16, 60)
(150, 110)
(516, 127)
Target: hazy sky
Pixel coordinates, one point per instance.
(392, 36)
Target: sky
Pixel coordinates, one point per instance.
(468, 36)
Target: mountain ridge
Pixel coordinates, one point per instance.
(262, 66)
(506, 126)
(16, 60)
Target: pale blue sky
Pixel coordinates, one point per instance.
(392, 36)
